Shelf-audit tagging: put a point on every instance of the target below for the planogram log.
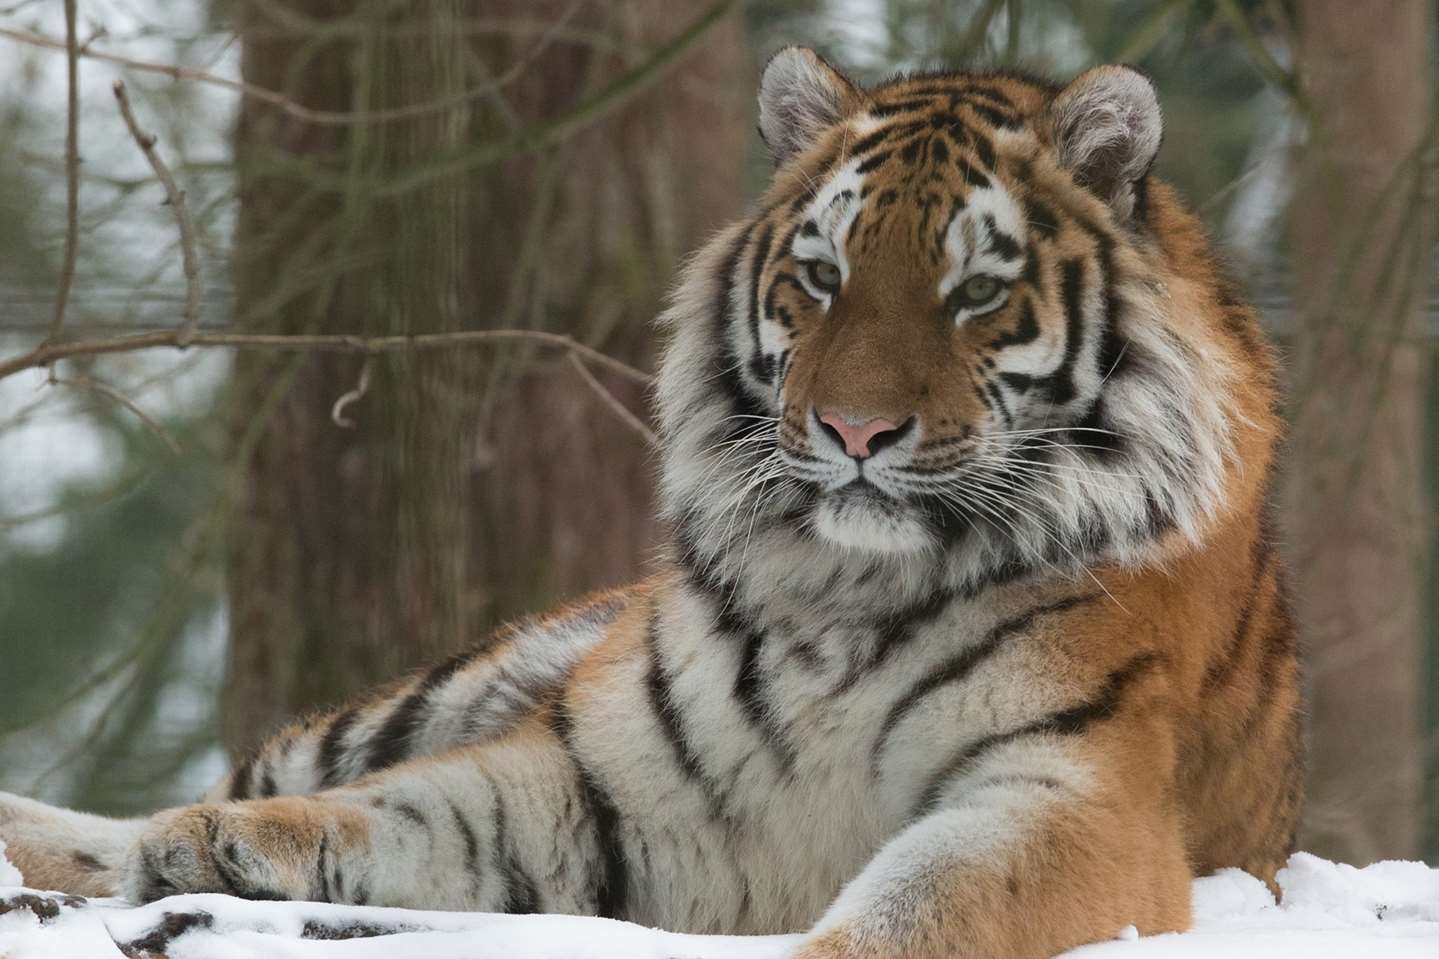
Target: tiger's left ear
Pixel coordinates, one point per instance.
(800, 97)
(1107, 128)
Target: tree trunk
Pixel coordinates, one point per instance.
(348, 548)
(563, 489)
(474, 485)
(1357, 503)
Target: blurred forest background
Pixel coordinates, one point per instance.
(197, 544)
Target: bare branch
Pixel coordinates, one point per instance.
(337, 412)
(72, 171)
(190, 316)
(297, 110)
(613, 402)
(612, 96)
(47, 353)
(104, 389)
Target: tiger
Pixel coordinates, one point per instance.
(969, 635)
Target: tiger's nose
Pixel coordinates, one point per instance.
(861, 440)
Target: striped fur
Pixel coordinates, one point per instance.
(999, 689)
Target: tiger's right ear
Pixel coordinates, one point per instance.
(801, 96)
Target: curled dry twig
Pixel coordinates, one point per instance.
(337, 412)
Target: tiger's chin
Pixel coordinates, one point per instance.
(870, 522)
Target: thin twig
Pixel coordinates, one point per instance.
(613, 402)
(72, 171)
(297, 110)
(72, 504)
(190, 316)
(47, 353)
(612, 96)
(337, 412)
(104, 389)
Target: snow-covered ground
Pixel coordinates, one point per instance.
(1328, 911)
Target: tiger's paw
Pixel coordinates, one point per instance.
(266, 849)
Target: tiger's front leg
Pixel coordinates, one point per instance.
(466, 830)
(1047, 843)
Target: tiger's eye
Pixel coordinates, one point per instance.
(980, 289)
(824, 275)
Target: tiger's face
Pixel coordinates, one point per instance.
(947, 323)
(920, 324)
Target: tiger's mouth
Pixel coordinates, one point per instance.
(861, 516)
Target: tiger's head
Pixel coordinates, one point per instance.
(964, 324)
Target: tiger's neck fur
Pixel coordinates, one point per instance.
(1195, 400)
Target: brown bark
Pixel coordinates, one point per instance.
(347, 548)
(480, 484)
(1357, 505)
(563, 490)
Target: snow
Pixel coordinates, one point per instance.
(9, 875)
(1389, 910)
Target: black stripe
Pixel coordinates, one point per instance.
(1068, 722)
(329, 753)
(1092, 436)
(240, 781)
(1061, 381)
(725, 371)
(671, 723)
(86, 861)
(391, 742)
(996, 118)
(958, 667)
(1026, 332)
(524, 899)
(970, 173)
(610, 878)
(413, 814)
(322, 868)
(854, 225)
(1002, 407)
(521, 897)
(1042, 219)
(499, 852)
(983, 148)
(896, 631)
(1001, 244)
(471, 843)
(901, 106)
(867, 143)
(757, 262)
(749, 692)
(989, 97)
(872, 163)
(222, 860)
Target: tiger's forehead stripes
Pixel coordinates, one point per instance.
(988, 239)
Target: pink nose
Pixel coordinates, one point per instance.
(856, 437)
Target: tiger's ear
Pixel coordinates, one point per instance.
(801, 96)
(1107, 128)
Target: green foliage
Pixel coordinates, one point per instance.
(97, 622)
